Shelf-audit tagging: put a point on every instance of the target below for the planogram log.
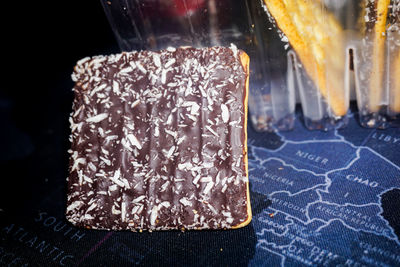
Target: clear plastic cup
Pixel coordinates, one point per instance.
(317, 72)
(339, 46)
(393, 82)
(272, 81)
(377, 65)
(311, 38)
(157, 24)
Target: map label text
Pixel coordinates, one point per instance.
(359, 180)
(311, 157)
(386, 138)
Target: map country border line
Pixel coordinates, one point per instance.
(351, 204)
(353, 229)
(296, 160)
(340, 137)
(294, 217)
(299, 170)
(341, 205)
(315, 187)
(319, 200)
(286, 164)
(326, 184)
(318, 189)
(290, 218)
(287, 217)
(357, 148)
(325, 175)
(326, 189)
(263, 243)
(340, 140)
(283, 256)
(301, 191)
(336, 133)
(394, 238)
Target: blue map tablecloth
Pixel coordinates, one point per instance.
(318, 198)
(334, 197)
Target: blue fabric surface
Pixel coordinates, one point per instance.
(318, 198)
(329, 194)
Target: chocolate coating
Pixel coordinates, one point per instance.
(158, 141)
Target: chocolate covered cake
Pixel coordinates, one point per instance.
(159, 140)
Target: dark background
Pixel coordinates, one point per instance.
(42, 40)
